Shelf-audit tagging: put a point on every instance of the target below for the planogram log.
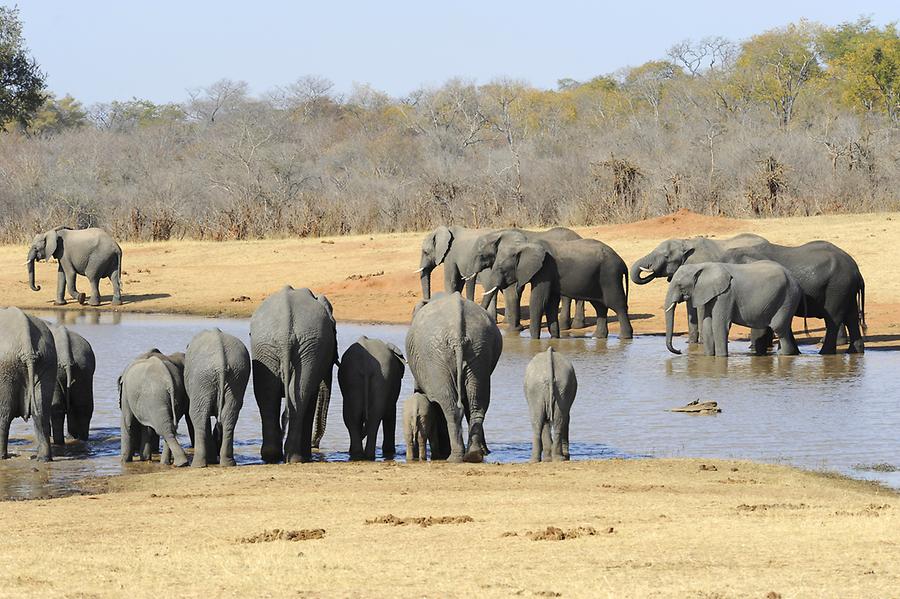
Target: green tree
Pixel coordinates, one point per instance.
(776, 66)
(869, 70)
(57, 115)
(21, 81)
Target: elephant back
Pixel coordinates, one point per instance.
(296, 318)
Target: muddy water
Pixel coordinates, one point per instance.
(836, 413)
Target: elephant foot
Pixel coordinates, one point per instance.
(59, 302)
(474, 457)
(181, 463)
(195, 463)
(43, 458)
(81, 297)
(271, 455)
(94, 302)
(856, 347)
(296, 458)
(515, 327)
(693, 339)
(578, 324)
(116, 301)
(227, 462)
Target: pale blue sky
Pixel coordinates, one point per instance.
(156, 49)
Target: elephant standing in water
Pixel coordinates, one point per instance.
(452, 347)
(216, 373)
(423, 427)
(152, 400)
(293, 341)
(671, 254)
(485, 252)
(550, 388)
(757, 295)
(27, 377)
(582, 269)
(91, 253)
(149, 442)
(73, 397)
(370, 375)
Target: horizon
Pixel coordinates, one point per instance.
(208, 42)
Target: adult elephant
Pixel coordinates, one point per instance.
(452, 348)
(833, 287)
(671, 254)
(584, 269)
(92, 253)
(216, 373)
(370, 376)
(293, 341)
(454, 248)
(27, 377)
(485, 252)
(73, 396)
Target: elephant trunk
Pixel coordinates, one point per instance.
(68, 392)
(670, 322)
(31, 258)
(645, 270)
(425, 268)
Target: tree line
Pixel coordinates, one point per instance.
(799, 120)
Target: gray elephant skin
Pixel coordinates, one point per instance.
(550, 389)
(149, 438)
(73, 396)
(152, 400)
(671, 254)
(485, 252)
(370, 375)
(91, 253)
(27, 377)
(216, 373)
(757, 295)
(582, 269)
(293, 347)
(424, 427)
(452, 348)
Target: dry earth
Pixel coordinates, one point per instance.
(370, 278)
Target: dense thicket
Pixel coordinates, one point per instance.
(798, 120)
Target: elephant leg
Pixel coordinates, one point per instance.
(546, 441)
(720, 326)
(95, 291)
(226, 448)
(453, 417)
(693, 323)
(298, 441)
(565, 313)
(116, 279)
(579, 322)
(512, 298)
(5, 421)
(127, 433)
(165, 457)
(389, 432)
(411, 437)
(355, 429)
(492, 308)
(422, 439)
(217, 442)
(537, 440)
(470, 289)
(601, 331)
(203, 438)
(149, 443)
(856, 343)
(71, 283)
(371, 436)
(761, 340)
(564, 435)
(556, 450)
(57, 423)
(268, 391)
(788, 345)
(843, 337)
(829, 343)
(180, 458)
(60, 287)
(41, 422)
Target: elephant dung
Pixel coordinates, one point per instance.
(698, 408)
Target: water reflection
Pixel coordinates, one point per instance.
(829, 412)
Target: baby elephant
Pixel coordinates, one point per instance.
(151, 396)
(216, 372)
(370, 374)
(423, 423)
(757, 295)
(550, 388)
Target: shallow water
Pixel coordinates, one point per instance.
(834, 413)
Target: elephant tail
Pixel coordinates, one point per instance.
(626, 277)
(862, 303)
(289, 380)
(68, 390)
(805, 324)
(459, 349)
(29, 366)
(550, 408)
(222, 366)
(321, 416)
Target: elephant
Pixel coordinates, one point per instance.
(73, 396)
(833, 287)
(27, 377)
(581, 269)
(92, 253)
(452, 348)
(216, 373)
(550, 388)
(293, 339)
(149, 438)
(757, 295)
(151, 396)
(423, 425)
(369, 376)
(485, 252)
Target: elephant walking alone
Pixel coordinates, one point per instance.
(370, 375)
(91, 253)
(73, 397)
(216, 373)
(27, 377)
(452, 347)
(550, 388)
(293, 340)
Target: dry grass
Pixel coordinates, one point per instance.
(632, 529)
(370, 278)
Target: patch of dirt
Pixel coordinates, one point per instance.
(764, 507)
(708, 468)
(683, 223)
(873, 509)
(278, 534)
(553, 533)
(423, 521)
(883, 467)
(240, 298)
(358, 277)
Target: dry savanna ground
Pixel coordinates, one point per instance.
(637, 528)
(370, 278)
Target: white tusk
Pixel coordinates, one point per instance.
(420, 269)
(469, 278)
(671, 306)
(645, 269)
(492, 290)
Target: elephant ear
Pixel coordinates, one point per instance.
(530, 260)
(442, 240)
(330, 310)
(396, 351)
(52, 238)
(710, 282)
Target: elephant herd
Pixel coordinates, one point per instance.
(452, 347)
